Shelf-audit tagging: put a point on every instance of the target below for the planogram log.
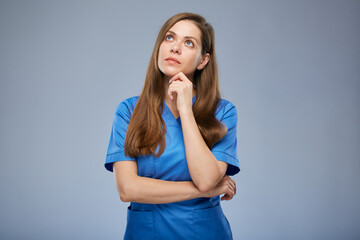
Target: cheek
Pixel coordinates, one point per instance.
(162, 47)
(160, 51)
(160, 54)
(196, 59)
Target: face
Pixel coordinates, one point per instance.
(180, 50)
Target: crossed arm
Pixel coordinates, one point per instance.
(134, 188)
(207, 173)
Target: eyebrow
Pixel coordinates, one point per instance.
(185, 36)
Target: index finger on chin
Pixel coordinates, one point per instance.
(174, 78)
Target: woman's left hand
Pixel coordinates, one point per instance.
(226, 186)
(181, 90)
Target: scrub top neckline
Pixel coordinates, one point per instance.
(169, 115)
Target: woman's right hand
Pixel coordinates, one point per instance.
(226, 186)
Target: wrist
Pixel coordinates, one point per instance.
(196, 192)
(200, 194)
(184, 113)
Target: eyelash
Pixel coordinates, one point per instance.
(169, 35)
(192, 44)
(166, 37)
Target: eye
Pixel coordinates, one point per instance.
(169, 37)
(189, 43)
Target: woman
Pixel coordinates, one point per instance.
(172, 148)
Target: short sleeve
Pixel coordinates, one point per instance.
(120, 124)
(226, 149)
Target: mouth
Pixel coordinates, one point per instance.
(172, 60)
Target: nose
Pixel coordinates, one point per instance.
(175, 48)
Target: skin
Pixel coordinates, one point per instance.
(183, 43)
(179, 57)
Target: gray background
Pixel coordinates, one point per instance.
(292, 68)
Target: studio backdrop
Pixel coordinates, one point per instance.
(291, 68)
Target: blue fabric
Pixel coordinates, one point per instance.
(199, 218)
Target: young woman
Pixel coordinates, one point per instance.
(173, 147)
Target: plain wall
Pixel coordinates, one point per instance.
(292, 69)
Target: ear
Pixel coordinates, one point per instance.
(205, 59)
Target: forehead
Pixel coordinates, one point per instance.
(186, 28)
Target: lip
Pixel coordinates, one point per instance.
(172, 60)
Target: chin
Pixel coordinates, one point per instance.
(170, 72)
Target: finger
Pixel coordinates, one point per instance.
(180, 76)
(174, 78)
(181, 85)
(177, 83)
(232, 192)
(230, 183)
(228, 197)
(180, 88)
(225, 197)
(233, 184)
(172, 92)
(233, 187)
(229, 191)
(232, 180)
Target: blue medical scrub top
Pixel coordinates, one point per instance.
(199, 218)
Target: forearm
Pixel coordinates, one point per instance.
(203, 166)
(156, 191)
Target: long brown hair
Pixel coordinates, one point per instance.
(146, 130)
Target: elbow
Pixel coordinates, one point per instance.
(127, 190)
(124, 194)
(124, 198)
(209, 181)
(205, 187)
(208, 184)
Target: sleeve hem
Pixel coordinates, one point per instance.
(233, 167)
(114, 157)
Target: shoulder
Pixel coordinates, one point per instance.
(127, 106)
(225, 109)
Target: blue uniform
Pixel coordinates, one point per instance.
(199, 218)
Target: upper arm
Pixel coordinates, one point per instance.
(125, 169)
(124, 173)
(223, 167)
(225, 150)
(116, 147)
